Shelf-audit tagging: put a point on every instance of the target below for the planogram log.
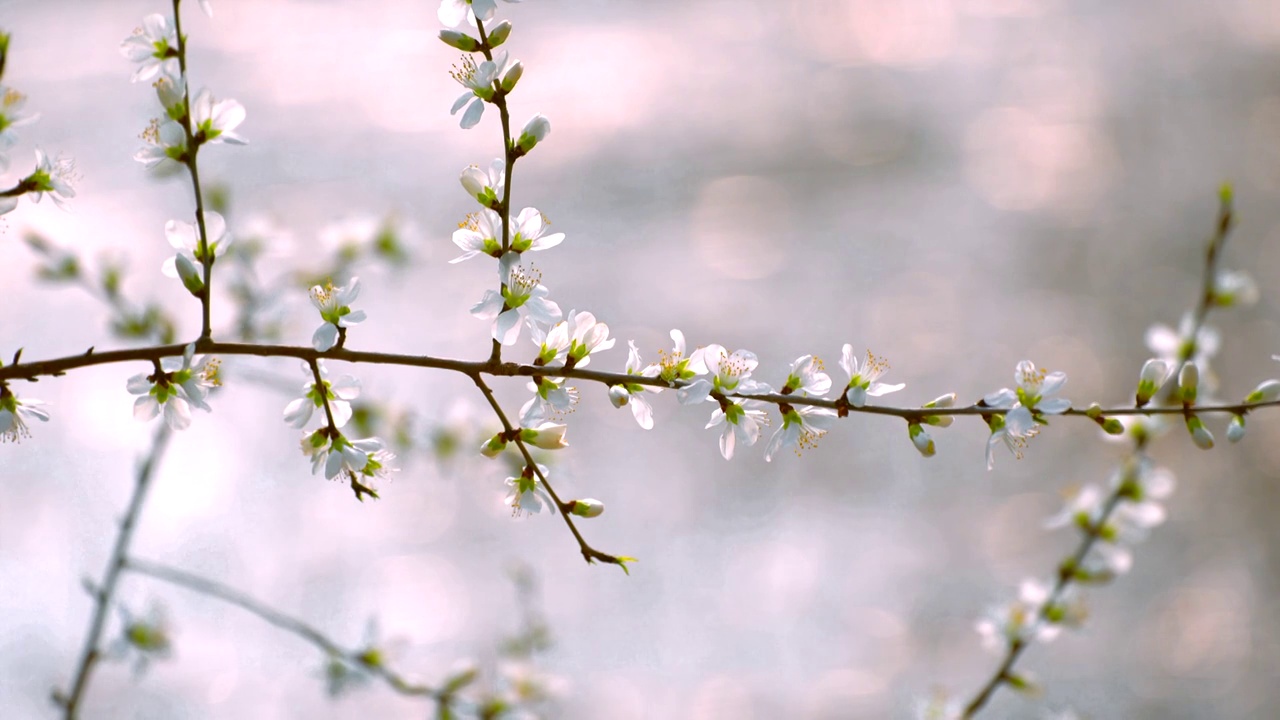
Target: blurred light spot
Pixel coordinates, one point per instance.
(1018, 162)
(1256, 21)
(1074, 356)
(903, 33)
(740, 225)
(421, 596)
(722, 697)
(1058, 93)
(769, 581)
(860, 118)
(1001, 8)
(839, 691)
(594, 99)
(1013, 531)
(1204, 629)
(221, 686)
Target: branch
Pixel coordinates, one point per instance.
(34, 370)
(589, 553)
(213, 588)
(104, 593)
(1067, 571)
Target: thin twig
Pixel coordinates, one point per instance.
(589, 553)
(213, 588)
(104, 593)
(193, 149)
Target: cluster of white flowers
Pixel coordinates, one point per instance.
(174, 387)
(362, 461)
(54, 176)
(186, 126)
(158, 52)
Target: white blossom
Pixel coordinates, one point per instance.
(527, 494)
(154, 46)
(213, 120)
(807, 378)
(16, 413)
(864, 380)
(334, 304)
(742, 421)
(340, 394)
(801, 429)
(632, 394)
(524, 297)
(1030, 399)
(185, 238)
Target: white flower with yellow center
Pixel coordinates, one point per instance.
(334, 304)
(801, 429)
(154, 46)
(1031, 400)
(863, 381)
(15, 413)
(524, 297)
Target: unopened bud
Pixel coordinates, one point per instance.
(1154, 373)
(1112, 426)
(1188, 382)
(587, 508)
(460, 40)
(534, 132)
(1235, 428)
(619, 396)
(1267, 391)
(548, 436)
(1200, 435)
(190, 275)
(493, 446)
(514, 73)
(921, 440)
(945, 401)
(499, 33)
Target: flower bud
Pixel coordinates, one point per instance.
(459, 40)
(1267, 391)
(945, 401)
(1188, 383)
(534, 132)
(619, 396)
(4, 50)
(1112, 426)
(587, 508)
(463, 675)
(1154, 373)
(1200, 435)
(493, 446)
(1235, 428)
(499, 33)
(173, 95)
(548, 436)
(921, 440)
(189, 274)
(514, 73)
(476, 182)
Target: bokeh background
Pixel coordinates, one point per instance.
(954, 184)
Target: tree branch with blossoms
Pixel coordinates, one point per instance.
(182, 375)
